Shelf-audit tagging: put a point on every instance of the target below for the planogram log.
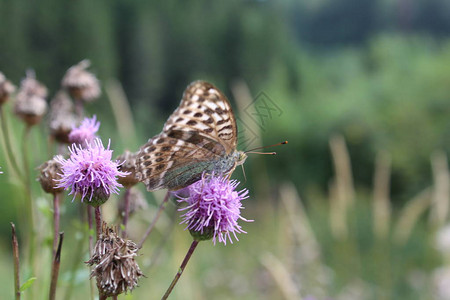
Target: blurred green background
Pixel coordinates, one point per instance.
(359, 88)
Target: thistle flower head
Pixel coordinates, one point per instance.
(85, 133)
(90, 172)
(6, 88)
(213, 209)
(50, 173)
(81, 84)
(128, 164)
(116, 270)
(62, 117)
(30, 104)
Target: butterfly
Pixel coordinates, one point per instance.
(200, 136)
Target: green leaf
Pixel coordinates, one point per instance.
(27, 284)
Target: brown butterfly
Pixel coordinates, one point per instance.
(200, 136)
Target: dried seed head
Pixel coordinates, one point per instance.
(116, 270)
(136, 202)
(80, 83)
(30, 104)
(128, 160)
(6, 88)
(62, 117)
(50, 171)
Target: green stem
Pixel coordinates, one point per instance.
(158, 214)
(182, 267)
(126, 214)
(75, 264)
(9, 152)
(29, 200)
(15, 246)
(91, 247)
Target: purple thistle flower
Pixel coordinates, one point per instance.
(213, 209)
(86, 132)
(90, 172)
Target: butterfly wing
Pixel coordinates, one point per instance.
(201, 131)
(206, 110)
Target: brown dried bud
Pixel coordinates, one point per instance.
(81, 84)
(128, 160)
(49, 174)
(116, 270)
(30, 104)
(136, 202)
(62, 117)
(6, 88)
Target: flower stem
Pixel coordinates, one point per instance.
(98, 220)
(79, 108)
(9, 152)
(28, 196)
(91, 246)
(182, 267)
(56, 216)
(55, 268)
(74, 267)
(158, 214)
(15, 246)
(126, 199)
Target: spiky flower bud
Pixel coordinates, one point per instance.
(30, 104)
(6, 88)
(62, 117)
(128, 160)
(81, 84)
(116, 270)
(50, 172)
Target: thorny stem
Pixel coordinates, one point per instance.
(15, 246)
(126, 199)
(182, 267)
(9, 151)
(98, 220)
(56, 216)
(55, 268)
(158, 214)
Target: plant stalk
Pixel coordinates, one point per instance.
(56, 217)
(126, 199)
(55, 268)
(98, 221)
(15, 246)
(9, 151)
(158, 214)
(182, 267)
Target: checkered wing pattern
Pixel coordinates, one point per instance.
(201, 130)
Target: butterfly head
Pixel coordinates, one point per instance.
(240, 157)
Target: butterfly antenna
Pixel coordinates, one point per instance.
(270, 153)
(243, 172)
